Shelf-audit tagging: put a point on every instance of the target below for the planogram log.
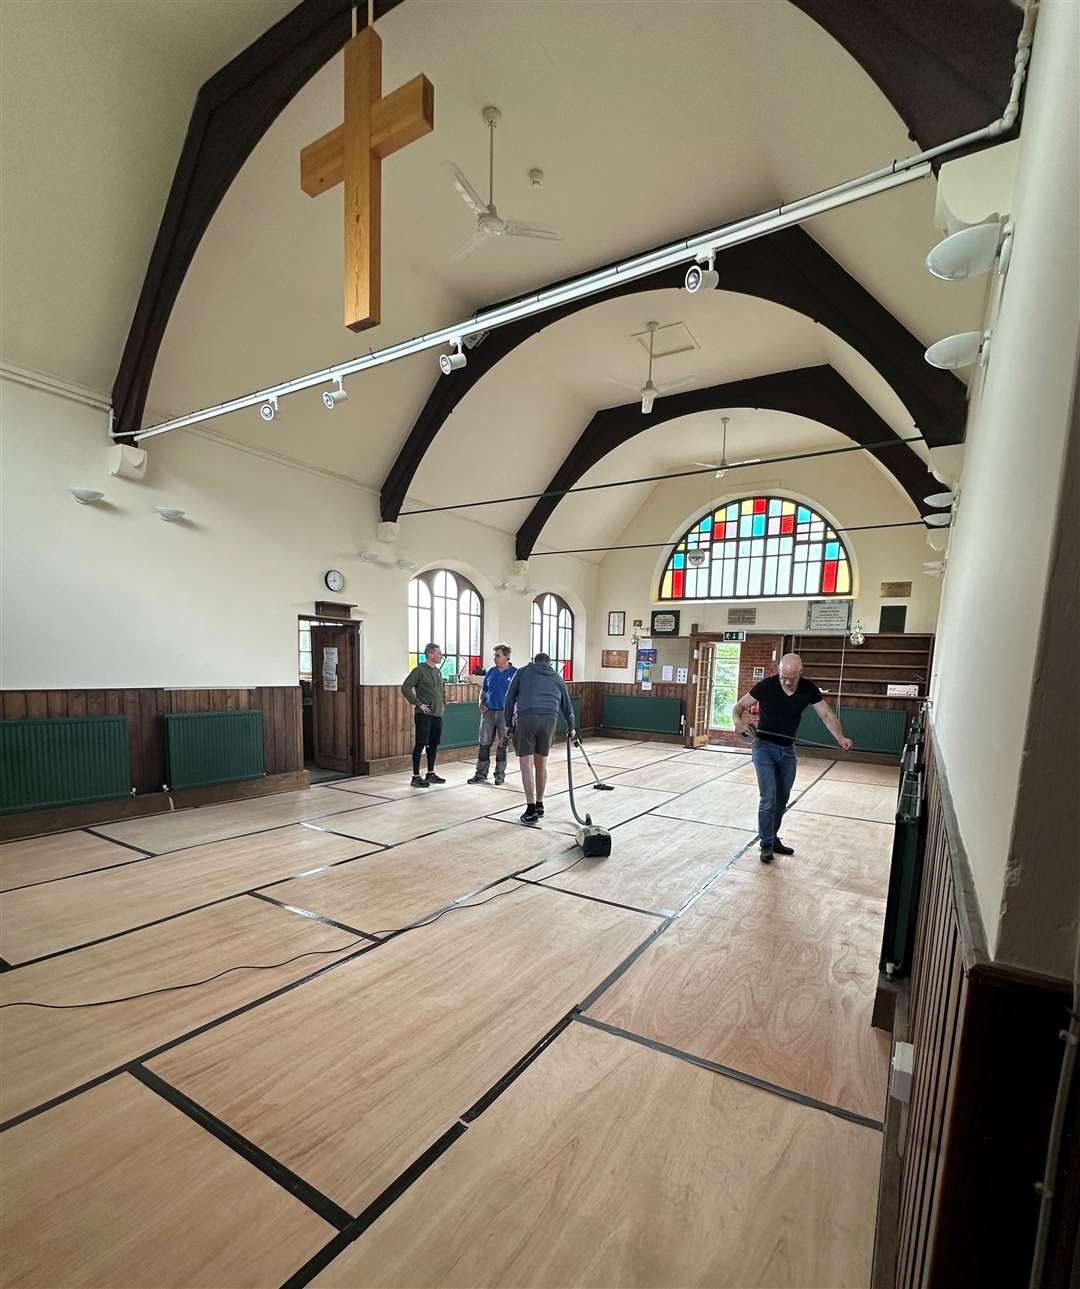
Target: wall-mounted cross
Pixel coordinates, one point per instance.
(374, 128)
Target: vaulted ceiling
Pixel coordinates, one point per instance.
(650, 122)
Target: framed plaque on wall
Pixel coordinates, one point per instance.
(665, 622)
(616, 622)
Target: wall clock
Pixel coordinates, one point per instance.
(334, 580)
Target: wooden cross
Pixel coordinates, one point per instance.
(375, 127)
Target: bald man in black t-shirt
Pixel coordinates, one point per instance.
(781, 701)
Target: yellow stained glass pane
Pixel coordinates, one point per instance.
(843, 577)
(789, 508)
(748, 506)
(665, 589)
(681, 546)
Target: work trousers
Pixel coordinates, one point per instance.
(492, 727)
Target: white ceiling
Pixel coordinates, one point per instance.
(650, 122)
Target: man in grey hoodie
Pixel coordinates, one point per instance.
(533, 702)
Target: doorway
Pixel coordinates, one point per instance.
(727, 657)
(329, 664)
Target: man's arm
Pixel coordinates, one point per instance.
(741, 711)
(483, 693)
(408, 688)
(829, 720)
(567, 708)
(511, 700)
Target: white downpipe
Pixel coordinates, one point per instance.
(745, 230)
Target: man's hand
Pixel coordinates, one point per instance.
(575, 738)
(742, 725)
(846, 744)
(425, 709)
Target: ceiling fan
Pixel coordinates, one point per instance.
(721, 469)
(489, 223)
(649, 392)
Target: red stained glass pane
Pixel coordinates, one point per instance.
(828, 577)
(787, 524)
(566, 670)
(759, 505)
(677, 582)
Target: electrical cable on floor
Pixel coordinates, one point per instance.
(273, 966)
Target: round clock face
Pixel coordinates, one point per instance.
(335, 581)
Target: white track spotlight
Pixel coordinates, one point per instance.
(699, 279)
(940, 499)
(452, 361)
(86, 496)
(942, 519)
(331, 397)
(967, 253)
(170, 514)
(961, 350)
(269, 409)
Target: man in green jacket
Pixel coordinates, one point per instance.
(423, 687)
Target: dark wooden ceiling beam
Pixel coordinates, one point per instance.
(787, 268)
(819, 393)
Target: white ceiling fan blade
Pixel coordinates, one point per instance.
(515, 229)
(467, 248)
(469, 195)
(625, 384)
(675, 384)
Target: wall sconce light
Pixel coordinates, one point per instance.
(970, 252)
(86, 496)
(170, 515)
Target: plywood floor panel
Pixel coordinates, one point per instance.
(608, 809)
(635, 756)
(849, 800)
(793, 1011)
(43, 919)
(396, 785)
(117, 1189)
(425, 812)
(586, 1173)
(47, 1053)
(886, 776)
(350, 1077)
(730, 758)
(808, 772)
(655, 863)
(829, 851)
(194, 827)
(760, 902)
(62, 854)
(733, 805)
(395, 887)
(667, 776)
(557, 776)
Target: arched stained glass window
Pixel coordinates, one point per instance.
(756, 548)
(446, 609)
(553, 632)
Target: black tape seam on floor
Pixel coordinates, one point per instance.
(127, 845)
(596, 899)
(270, 1167)
(5, 965)
(186, 1037)
(626, 963)
(374, 1210)
(83, 872)
(313, 917)
(515, 1071)
(787, 1093)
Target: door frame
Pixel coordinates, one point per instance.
(356, 749)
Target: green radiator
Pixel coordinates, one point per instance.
(874, 729)
(63, 761)
(461, 723)
(638, 712)
(213, 747)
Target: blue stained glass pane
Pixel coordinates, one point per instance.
(732, 512)
(759, 525)
(832, 550)
(774, 506)
(746, 526)
(803, 515)
(678, 561)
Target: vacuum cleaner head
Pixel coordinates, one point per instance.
(595, 842)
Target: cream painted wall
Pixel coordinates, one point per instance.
(109, 595)
(850, 490)
(1001, 540)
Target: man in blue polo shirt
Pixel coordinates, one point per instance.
(492, 718)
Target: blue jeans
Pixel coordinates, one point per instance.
(775, 764)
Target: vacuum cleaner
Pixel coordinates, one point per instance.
(595, 842)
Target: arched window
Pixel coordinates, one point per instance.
(755, 548)
(446, 609)
(553, 632)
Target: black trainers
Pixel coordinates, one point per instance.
(434, 778)
(780, 849)
(480, 778)
(540, 809)
(499, 781)
(766, 855)
(530, 816)
(417, 782)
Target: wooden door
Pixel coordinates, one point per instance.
(334, 693)
(702, 661)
